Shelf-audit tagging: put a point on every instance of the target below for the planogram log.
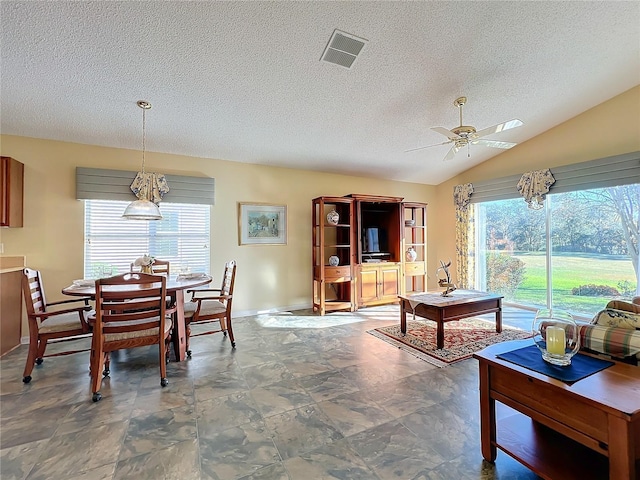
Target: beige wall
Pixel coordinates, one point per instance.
(275, 277)
(269, 277)
(611, 128)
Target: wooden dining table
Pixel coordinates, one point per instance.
(176, 287)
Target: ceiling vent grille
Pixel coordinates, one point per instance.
(343, 49)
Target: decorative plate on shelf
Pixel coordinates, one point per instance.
(334, 261)
(333, 217)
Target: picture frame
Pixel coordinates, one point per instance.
(262, 224)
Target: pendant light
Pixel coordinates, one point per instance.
(143, 208)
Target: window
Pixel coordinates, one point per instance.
(577, 253)
(113, 243)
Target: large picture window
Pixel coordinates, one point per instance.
(577, 253)
(113, 243)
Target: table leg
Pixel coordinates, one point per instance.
(499, 317)
(180, 329)
(403, 316)
(622, 464)
(487, 416)
(440, 329)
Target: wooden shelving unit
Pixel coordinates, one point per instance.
(333, 285)
(415, 236)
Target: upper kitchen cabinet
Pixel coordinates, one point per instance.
(11, 192)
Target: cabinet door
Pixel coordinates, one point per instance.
(389, 282)
(368, 285)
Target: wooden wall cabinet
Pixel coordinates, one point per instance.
(333, 255)
(11, 192)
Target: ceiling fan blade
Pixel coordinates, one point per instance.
(452, 153)
(499, 128)
(493, 143)
(447, 133)
(427, 146)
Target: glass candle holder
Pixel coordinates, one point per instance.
(556, 335)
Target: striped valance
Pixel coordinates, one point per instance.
(103, 184)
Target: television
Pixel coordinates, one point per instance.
(375, 240)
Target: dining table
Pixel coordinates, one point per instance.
(176, 286)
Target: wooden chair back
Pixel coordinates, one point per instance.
(158, 267)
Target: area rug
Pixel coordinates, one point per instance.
(461, 339)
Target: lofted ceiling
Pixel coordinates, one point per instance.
(244, 81)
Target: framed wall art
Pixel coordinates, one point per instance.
(262, 224)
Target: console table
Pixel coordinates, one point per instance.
(587, 430)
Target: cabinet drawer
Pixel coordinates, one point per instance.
(336, 273)
(414, 268)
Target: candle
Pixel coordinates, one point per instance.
(556, 340)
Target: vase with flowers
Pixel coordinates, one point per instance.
(144, 262)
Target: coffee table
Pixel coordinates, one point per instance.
(587, 430)
(460, 304)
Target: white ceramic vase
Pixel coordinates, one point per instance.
(411, 254)
(333, 217)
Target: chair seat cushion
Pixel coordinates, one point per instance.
(209, 307)
(62, 322)
(149, 332)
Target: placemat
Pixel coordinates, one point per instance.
(581, 365)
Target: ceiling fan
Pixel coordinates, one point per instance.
(464, 135)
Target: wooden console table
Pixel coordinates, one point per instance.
(587, 430)
(460, 304)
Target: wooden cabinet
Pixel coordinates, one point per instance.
(333, 254)
(415, 238)
(11, 192)
(378, 283)
(369, 241)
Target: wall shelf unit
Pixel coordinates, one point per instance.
(333, 255)
(415, 237)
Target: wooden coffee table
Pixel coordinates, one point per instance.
(461, 304)
(587, 430)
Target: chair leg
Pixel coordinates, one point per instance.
(97, 362)
(42, 345)
(107, 364)
(230, 330)
(188, 337)
(163, 364)
(31, 357)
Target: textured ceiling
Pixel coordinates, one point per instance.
(243, 81)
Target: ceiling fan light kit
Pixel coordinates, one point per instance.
(465, 135)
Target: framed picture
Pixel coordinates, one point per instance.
(262, 224)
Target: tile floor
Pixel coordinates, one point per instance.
(299, 398)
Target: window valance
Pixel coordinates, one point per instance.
(103, 184)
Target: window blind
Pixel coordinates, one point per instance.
(103, 184)
(600, 173)
(113, 243)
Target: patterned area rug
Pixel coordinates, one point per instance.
(461, 339)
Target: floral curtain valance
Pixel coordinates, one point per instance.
(150, 186)
(533, 186)
(462, 195)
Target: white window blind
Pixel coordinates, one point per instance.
(112, 243)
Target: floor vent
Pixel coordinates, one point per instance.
(343, 49)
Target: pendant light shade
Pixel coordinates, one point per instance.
(143, 208)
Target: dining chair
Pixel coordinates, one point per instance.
(130, 312)
(57, 321)
(161, 267)
(205, 307)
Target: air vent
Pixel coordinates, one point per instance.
(343, 49)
